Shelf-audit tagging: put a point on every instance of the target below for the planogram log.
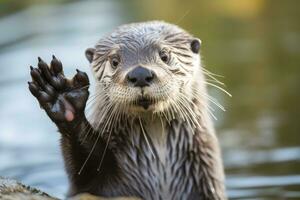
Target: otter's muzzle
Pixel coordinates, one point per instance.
(140, 77)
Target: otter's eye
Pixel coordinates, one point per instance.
(114, 61)
(164, 56)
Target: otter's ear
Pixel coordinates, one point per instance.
(89, 53)
(195, 45)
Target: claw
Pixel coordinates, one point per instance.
(56, 65)
(36, 76)
(81, 78)
(45, 70)
(40, 60)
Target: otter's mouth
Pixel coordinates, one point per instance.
(144, 102)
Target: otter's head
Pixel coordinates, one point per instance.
(146, 67)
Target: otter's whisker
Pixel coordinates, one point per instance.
(162, 125)
(87, 133)
(108, 139)
(212, 76)
(211, 73)
(211, 99)
(89, 155)
(214, 81)
(184, 114)
(212, 114)
(164, 114)
(190, 113)
(93, 148)
(218, 87)
(146, 138)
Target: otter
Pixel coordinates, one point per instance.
(150, 134)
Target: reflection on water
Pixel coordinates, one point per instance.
(255, 44)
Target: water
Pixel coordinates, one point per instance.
(255, 44)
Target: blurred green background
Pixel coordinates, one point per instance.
(254, 44)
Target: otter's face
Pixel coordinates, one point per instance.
(145, 67)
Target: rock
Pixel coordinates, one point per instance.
(87, 196)
(13, 190)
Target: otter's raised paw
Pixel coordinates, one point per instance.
(61, 98)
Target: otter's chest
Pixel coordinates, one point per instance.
(156, 162)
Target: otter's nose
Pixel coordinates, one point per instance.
(140, 77)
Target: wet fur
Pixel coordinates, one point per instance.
(122, 150)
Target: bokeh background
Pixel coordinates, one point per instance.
(254, 44)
